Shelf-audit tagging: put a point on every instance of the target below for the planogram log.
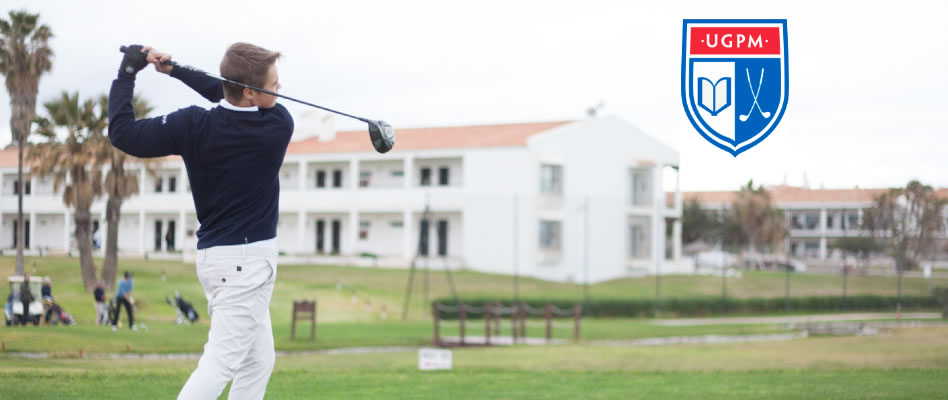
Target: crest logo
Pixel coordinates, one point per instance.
(734, 79)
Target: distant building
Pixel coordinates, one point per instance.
(817, 217)
(502, 198)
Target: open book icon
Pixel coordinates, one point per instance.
(714, 97)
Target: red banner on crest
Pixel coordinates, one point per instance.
(735, 40)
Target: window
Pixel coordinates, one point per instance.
(795, 222)
(397, 224)
(337, 178)
(829, 222)
(320, 179)
(812, 221)
(398, 173)
(852, 221)
(172, 181)
(158, 184)
(550, 235)
(639, 238)
(425, 177)
(551, 179)
(443, 174)
(364, 178)
(26, 188)
(363, 230)
(640, 186)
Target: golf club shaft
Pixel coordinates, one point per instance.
(176, 65)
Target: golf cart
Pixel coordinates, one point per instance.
(17, 316)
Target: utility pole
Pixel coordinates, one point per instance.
(786, 295)
(586, 254)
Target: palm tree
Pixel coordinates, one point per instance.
(119, 185)
(905, 220)
(759, 221)
(24, 56)
(71, 162)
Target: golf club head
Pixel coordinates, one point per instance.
(382, 136)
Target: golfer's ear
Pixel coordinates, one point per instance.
(249, 93)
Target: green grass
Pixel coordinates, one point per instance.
(352, 316)
(909, 363)
(480, 384)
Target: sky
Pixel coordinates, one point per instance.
(867, 98)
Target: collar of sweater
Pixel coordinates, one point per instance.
(226, 104)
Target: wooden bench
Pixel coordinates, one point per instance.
(302, 311)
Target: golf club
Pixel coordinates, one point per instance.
(380, 132)
(765, 114)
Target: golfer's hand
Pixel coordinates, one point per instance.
(156, 57)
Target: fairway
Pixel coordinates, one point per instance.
(900, 363)
(909, 363)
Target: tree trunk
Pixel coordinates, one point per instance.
(83, 219)
(21, 140)
(22, 111)
(110, 263)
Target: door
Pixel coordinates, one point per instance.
(169, 236)
(320, 228)
(443, 238)
(158, 235)
(336, 235)
(423, 241)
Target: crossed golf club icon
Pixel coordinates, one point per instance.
(755, 92)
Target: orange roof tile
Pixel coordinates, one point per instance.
(791, 194)
(451, 137)
(503, 135)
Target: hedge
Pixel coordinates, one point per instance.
(708, 306)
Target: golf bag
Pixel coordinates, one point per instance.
(55, 313)
(185, 310)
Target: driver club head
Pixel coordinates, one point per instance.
(382, 136)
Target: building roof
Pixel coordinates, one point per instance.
(450, 137)
(783, 194)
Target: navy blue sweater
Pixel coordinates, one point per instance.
(233, 158)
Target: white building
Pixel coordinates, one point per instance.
(816, 217)
(544, 199)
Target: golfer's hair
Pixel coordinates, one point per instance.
(245, 63)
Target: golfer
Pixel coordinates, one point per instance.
(233, 154)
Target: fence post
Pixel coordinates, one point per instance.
(487, 318)
(549, 322)
(497, 317)
(523, 320)
(577, 311)
(513, 322)
(461, 309)
(437, 324)
(292, 325)
(312, 328)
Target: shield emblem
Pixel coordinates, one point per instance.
(734, 79)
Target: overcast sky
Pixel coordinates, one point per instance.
(868, 87)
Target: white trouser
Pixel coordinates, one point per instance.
(238, 282)
(101, 313)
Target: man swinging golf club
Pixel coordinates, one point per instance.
(233, 154)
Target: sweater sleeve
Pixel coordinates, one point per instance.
(210, 88)
(149, 137)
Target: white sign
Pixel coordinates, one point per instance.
(928, 271)
(434, 359)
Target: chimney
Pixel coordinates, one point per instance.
(314, 123)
